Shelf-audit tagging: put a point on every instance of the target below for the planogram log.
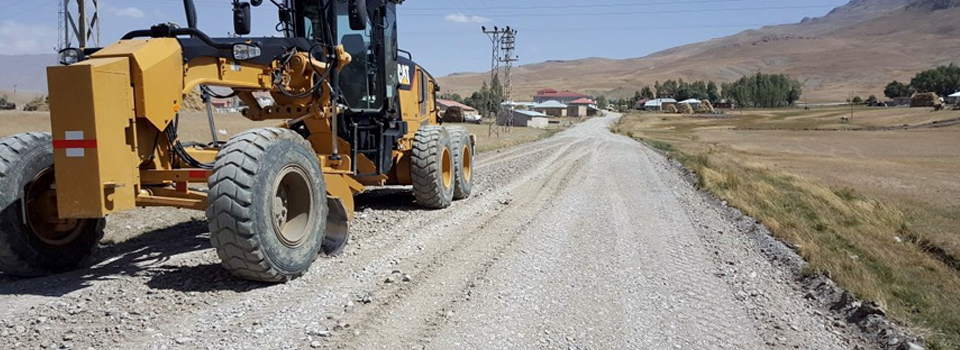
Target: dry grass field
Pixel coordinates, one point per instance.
(492, 138)
(874, 202)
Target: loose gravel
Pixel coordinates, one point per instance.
(586, 240)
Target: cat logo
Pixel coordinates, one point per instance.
(404, 72)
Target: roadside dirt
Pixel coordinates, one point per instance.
(585, 240)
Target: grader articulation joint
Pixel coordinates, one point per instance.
(352, 113)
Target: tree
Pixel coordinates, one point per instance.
(647, 93)
(668, 89)
(897, 89)
(857, 100)
(764, 91)
(872, 100)
(602, 102)
(943, 80)
(637, 96)
(713, 93)
(452, 97)
(488, 99)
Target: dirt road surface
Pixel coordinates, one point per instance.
(585, 240)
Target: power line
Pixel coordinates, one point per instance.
(527, 15)
(596, 29)
(28, 10)
(495, 8)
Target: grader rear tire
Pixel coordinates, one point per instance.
(268, 205)
(463, 158)
(432, 168)
(33, 240)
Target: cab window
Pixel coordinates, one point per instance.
(359, 79)
(423, 92)
(390, 38)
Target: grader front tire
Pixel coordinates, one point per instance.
(268, 205)
(33, 240)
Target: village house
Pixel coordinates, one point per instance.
(522, 118)
(552, 108)
(658, 104)
(583, 107)
(564, 97)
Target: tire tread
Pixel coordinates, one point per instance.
(230, 198)
(425, 168)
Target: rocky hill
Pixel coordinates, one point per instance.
(856, 48)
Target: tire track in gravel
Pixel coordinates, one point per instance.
(576, 241)
(495, 157)
(446, 276)
(257, 311)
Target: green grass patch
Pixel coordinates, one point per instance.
(660, 145)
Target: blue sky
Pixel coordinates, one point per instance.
(445, 36)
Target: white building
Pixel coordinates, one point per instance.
(658, 104)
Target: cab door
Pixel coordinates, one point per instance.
(427, 97)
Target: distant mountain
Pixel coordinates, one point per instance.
(856, 48)
(28, 72)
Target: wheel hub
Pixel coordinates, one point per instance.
(447, 168)
(42, 216)
(293, 210)
(467, 160)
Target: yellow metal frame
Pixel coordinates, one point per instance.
(119, 101)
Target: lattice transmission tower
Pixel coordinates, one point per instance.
(79, 24)
(508, 47)
(504, 47)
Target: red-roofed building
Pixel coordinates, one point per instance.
(564, 97)
(583, 107)
(456, 112)
(444, 104)
(583, 101)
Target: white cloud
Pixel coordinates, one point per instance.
(459, 17)
(127, 12)
(19, 39)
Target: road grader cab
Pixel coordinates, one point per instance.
(351, 111)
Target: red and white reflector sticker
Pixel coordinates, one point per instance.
(74, 144)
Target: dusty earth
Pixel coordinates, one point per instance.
(585, 240)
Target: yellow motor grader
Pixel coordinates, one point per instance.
(352, 111)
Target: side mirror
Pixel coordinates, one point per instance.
(70, 56)
(241, 18)
(358, 14)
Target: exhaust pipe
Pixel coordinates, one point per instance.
(191, 9)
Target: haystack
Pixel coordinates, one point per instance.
(670, 109)
(686, 108)
(39, 104)
(705, 108)
(927, 99)
(6, 105)
(193, 102)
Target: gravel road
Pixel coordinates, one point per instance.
(586, 240)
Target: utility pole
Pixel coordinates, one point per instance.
(509, 49)
(503, 43)
(79, 19)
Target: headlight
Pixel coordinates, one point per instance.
(243, 52)
(70, 56)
